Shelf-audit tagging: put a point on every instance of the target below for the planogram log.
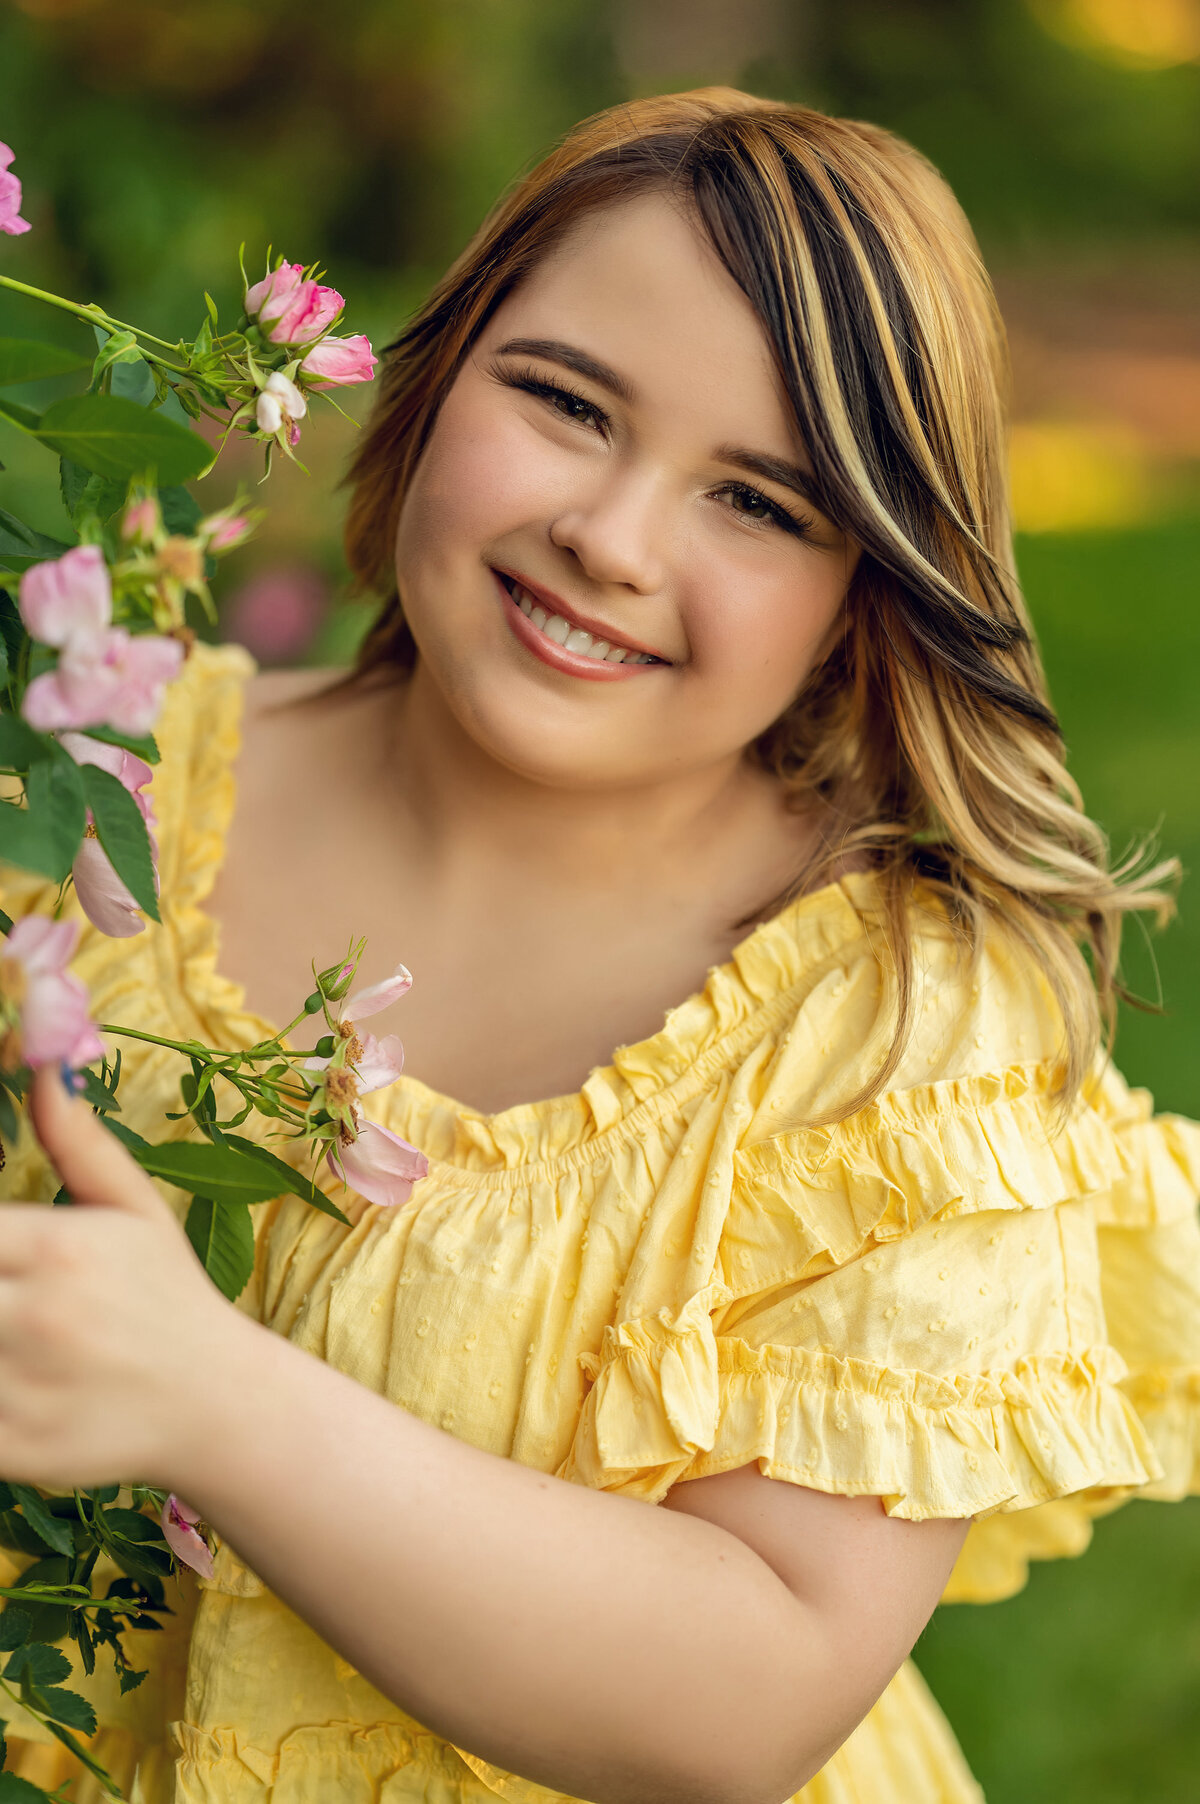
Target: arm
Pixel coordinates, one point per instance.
(596, 1645)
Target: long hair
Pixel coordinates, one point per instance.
(927, 733)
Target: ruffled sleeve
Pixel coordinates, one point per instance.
(950, 1299)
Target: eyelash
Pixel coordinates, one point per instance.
(533, 384)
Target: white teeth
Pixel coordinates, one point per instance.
(574, 638)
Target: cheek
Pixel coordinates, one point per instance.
(759, 632)
(483, 473)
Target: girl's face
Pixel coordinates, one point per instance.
(616, 456)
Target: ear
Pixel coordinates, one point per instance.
(95, 1168)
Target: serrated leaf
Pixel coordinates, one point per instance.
(15, 1790)
(15, 1625)
(222, 1235)
(67, 1707)
(28, 360)
(122, 833)
(48, 1621)
(52, 1529)
(292, 1181)
(224, 1173)
(115, 437)
(43, 1664)
(46, 835)
(128, 1680)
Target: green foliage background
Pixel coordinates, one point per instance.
(153, 138)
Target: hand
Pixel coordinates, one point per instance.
(110, 1330)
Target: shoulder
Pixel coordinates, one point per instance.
(979, 1010)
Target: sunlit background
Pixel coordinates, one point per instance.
(372, 135)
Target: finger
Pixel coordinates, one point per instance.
(93, 1165)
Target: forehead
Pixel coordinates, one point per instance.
(639, 285)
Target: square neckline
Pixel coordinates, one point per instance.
(771, 951)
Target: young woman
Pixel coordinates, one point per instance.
(703, 689)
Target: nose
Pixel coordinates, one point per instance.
(615, 530)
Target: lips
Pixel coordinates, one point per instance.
(554, 604)
(549, 651)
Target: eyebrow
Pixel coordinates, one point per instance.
(755, 463)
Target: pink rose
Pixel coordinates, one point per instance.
(105, 900)
(224, 531)
(312, 311)
(183, 1537)
(141, 522)
(105, 677)
(271, 297)
(45, 1008)
(66, 595)
(10, 197)
(340, 361)
(379, 1165)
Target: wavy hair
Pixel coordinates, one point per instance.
(927, 733)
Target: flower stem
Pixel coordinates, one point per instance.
(94, 315)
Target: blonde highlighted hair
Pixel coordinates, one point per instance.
(927, 733)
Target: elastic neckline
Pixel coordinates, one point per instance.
(751, 984)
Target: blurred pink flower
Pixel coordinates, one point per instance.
(66, 595)
(142, 521)
(44, 1007)
(279, 406)
(103, 897)
(340, 361)
(275, 614)
(10, 197)
(379, 1165)
(223, 531)
(179, 1521)
(105, 677)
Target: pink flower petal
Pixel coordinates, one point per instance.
(312, 310)
(104, 899)
(10, 198)
(381, 1063)
(55, 1024)
(65, 595)
(186, 1543)
(267, 299)
(43, 946)
(378, 996)
(340, 361)
(379, 1165)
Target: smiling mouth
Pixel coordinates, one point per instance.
(572, 638)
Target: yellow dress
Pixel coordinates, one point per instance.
(669, 1274)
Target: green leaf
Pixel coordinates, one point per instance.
(122, 833)
(116, 348)
(22, 417)
(181, 511)
(115, 437)
(293, 1181)
(21, 545)
(48, 1622)
(25, 360)
(132, 1525)
(20, 746)
(223, 1173)
(223, 1237)
(15, 1790)
(52, 1529)
(14, 1627)
(44, 1665)
(128, 1680)
(67, 1707)
(145, 746)
(85, 495)
(45, 836)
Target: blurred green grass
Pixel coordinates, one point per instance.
(1085, 1688)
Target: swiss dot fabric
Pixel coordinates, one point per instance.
(939, 1300)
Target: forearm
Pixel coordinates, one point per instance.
(594, 1644)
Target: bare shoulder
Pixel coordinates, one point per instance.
(269, 690)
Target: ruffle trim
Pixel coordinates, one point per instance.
(1161, 1154)
(672, 1400)
(809, 1201)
